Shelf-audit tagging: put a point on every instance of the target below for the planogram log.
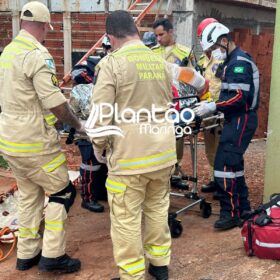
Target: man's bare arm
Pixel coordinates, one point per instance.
(65, 115)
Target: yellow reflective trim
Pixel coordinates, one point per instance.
(23, 45)
(20, 147)
(57, 226)
(157, 250)
(7, 56)
(59, 160)
(28, 232)
(134, 267)
(51, 119)
(179, 53)
(28, 229)
(11, 49)
(53, 228)
(148, 161)
(25, 42)
(5, 65)
(115, 186)
(29, 235)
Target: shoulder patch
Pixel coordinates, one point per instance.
(238, 70)
(54, 80)
(50, 64)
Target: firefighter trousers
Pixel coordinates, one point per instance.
(229, 164)
(36, 176)
(129, 196)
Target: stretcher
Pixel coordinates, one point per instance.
(197, 125)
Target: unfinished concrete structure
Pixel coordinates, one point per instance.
(79, 24)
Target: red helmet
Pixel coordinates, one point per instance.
(203, 24)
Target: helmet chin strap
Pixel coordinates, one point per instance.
(222, 46)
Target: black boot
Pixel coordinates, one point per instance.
(210, 187)
(226, 223)
(177, 182)
(93, 206)
(24, 264)
(63, 264)
(159, 272)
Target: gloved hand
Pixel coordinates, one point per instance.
(185, 61)
(99, 156)
(205, 108)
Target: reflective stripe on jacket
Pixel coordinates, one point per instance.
(28, 90)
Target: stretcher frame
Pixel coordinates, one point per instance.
(198, 125)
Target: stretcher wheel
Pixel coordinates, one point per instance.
(175, 226)
(206, 209)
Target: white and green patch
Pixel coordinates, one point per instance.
(50, 64)
(238, 70)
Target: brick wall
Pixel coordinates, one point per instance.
(87, 28)
(260, 47)
(6, 32)
(54, 42)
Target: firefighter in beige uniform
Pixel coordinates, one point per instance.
(140, 163)
(30, 101)
(209, 65)
(174, 53)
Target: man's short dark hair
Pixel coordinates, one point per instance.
(120, 24)
(228, 36)
(164, 22)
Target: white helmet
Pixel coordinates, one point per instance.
(211, 33)
(106, 42)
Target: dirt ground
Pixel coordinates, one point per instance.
(201, 253)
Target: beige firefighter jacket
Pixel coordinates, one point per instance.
(210, 67)
(174, 54)
(28, 89)
(131, 79)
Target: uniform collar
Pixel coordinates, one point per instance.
(132, 42)
(26, 34)
(232, 54)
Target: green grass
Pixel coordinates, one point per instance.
(3, 163)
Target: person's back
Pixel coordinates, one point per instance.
(31, 102)
(22, 107)
(134, 83)
(142, 79)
